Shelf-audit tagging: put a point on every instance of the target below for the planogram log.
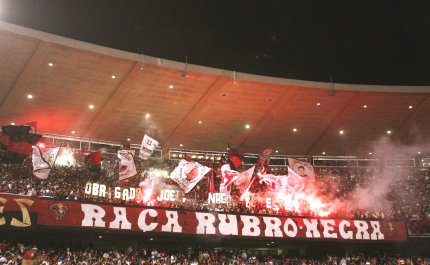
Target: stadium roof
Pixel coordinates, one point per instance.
(194, 106)
(385, 43)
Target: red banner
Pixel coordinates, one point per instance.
(22, 211)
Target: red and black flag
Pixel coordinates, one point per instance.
(93, 160)
(235, 158)
(18, 141)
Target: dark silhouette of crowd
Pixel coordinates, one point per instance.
(18, 253)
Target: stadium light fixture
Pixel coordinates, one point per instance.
(419, 152)
(50, 64)
(128, 139)
(29, 96)
(364, 106)
(323, 153)
(91, 106)
(318, 104)
(388, 132)
(200, 122)
(73, 132)
(181, 145)
(410, 107)
(113, 76)
(171, 86)
(341, 132)
(147, 116)
(247, 126)
(370, 153)
(294, 129)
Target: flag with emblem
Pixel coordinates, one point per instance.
(291, 183)
(188, 173)
(147, 148)
(43, 161)
(275, 183)
(127, 168)
(302, 168)
(243, 180)
(227, 178)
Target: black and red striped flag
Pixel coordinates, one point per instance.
(18, 141)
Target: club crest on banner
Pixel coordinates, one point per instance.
(390, 228)
(58, 211)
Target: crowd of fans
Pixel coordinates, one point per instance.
(17, 253)
(407, 193)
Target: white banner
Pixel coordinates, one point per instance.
(188, 174)
(147, 147)
(127, 168)
(43, 161)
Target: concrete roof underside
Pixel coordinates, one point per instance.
(222, 100)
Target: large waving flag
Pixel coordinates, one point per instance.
(295, 183)
(148, 146)
(275, 183)
(187, 174)
(18, 141)
(92, 158)
(243, 180)
(127, 168)
(235, 158)
(227, 178)
(302, 168)
(240, 179)
(292, 182)
(43, 161)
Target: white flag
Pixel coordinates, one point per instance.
(227, 178)
(295, 182)
(275, 183)
(292, 182)
(147, 147)
(188, 174)
(127, 168)
(243, 180)
(43, 161)
(302, 168)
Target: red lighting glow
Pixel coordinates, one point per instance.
(41, 146)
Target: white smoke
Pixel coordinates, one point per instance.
(373, 196)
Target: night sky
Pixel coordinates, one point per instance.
(365, 42)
